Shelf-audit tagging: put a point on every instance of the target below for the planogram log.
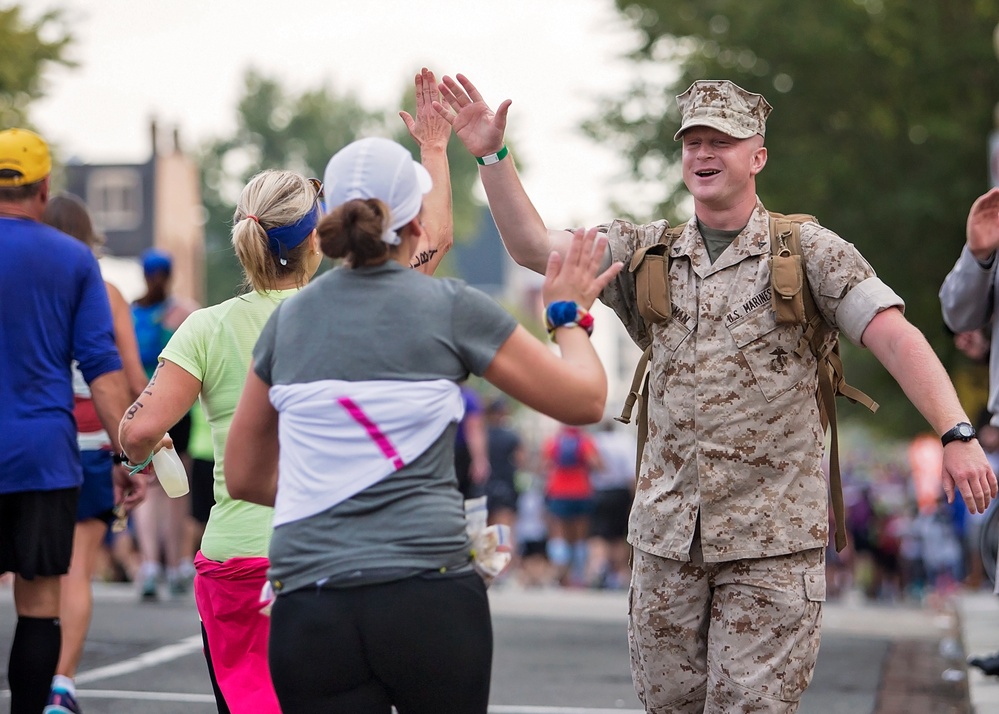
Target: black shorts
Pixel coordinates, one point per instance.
(424, 644)
(610, 514)
(36, 532)
(202, 489)
(500, 496)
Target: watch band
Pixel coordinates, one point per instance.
(962, 431)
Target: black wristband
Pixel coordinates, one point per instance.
(122, 459)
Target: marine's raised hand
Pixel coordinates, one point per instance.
(477, 126)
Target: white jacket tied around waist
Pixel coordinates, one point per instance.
(338, 438)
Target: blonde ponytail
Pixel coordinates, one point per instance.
(271, 199)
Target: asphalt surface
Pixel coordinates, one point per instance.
(556, 652)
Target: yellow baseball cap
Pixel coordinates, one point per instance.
(25, 153)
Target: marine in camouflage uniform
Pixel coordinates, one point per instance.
(734, 439)
(734, 429)
(730, 518)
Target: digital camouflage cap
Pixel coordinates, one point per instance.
(725, 106)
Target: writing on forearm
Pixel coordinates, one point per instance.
(152, 380)
(423, 257)
(133, 409)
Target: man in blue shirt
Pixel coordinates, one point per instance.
(53, 310)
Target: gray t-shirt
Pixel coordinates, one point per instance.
(380, 323)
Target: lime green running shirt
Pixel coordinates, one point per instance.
(215, 344)
(199, 445)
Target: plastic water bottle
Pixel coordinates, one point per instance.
(171, 472)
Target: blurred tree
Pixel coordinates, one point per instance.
(29, 47)
(882, 110)
(276, 128)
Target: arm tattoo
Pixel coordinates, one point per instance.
(133, 409)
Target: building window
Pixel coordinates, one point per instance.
(114, 196)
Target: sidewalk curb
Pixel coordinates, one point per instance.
(978, 614)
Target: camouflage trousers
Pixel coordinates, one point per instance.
(741, 636)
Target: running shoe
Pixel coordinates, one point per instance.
(178, 586)
(989, 664)
(61, 702)
(149, 589)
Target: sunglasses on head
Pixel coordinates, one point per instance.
(317, 186)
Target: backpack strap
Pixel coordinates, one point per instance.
(785, 241)
(639, 392)
(651, 268)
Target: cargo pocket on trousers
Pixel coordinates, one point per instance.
(801, 660)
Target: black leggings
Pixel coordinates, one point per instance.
(220, 702)
(422, 644)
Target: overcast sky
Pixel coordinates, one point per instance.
(182, 61)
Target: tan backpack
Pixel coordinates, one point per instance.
(792, 303)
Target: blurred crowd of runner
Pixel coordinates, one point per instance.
(566, 495)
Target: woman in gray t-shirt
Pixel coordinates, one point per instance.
(346, 426)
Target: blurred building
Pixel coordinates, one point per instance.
(152, 204)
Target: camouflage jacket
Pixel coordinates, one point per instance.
(734, 430)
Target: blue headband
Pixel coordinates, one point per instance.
(283, 238)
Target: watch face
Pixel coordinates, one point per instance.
(960, 432)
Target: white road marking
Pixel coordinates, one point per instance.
(85, 694)
(210, 699)
(143, 661)
(125, 694)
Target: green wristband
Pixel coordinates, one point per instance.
(136, 468)
(490, 159)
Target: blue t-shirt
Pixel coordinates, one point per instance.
(150, 332)
(53, 309)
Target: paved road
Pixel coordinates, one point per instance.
(556, 653)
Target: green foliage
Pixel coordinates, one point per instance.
(277, 128)
(882, 110)
(274, 129)
(29, 47)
